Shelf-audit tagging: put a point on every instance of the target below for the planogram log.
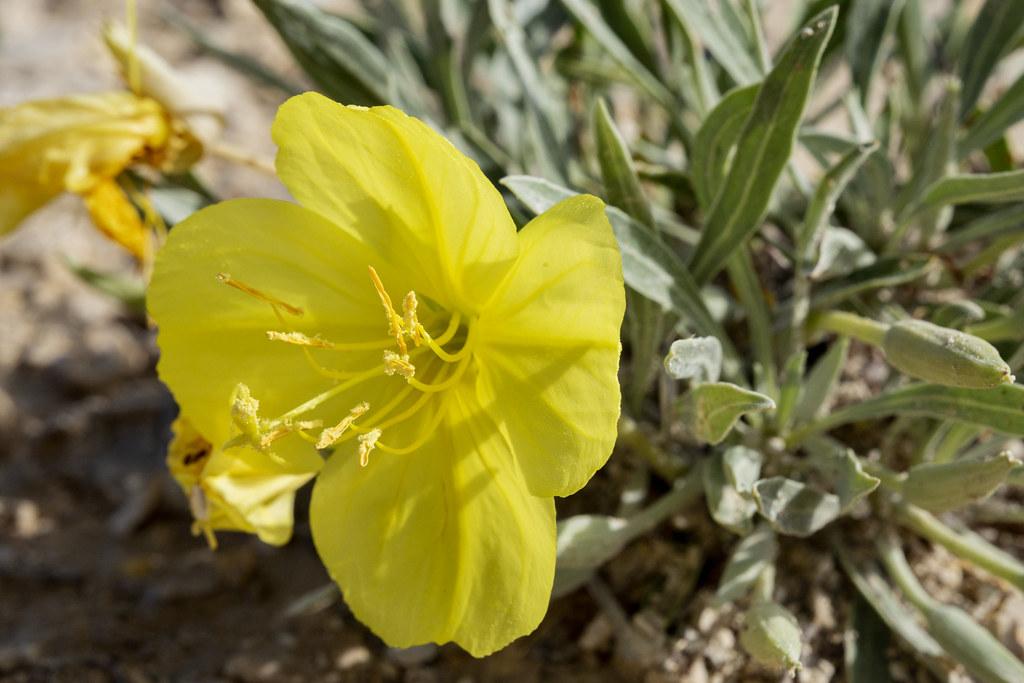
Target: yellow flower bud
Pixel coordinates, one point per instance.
(772, 636)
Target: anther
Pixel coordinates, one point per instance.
(245, 413)
(411, 322)
(367, 442)
(398, 364)
(331, 435)
(262, 296)
(201, 514)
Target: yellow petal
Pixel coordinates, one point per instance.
(73, 143)
(444, 544)
(549, 347)
(213, 337)
(117, 218)
(403, 189)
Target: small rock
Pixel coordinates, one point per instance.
(353, 657)
(413, 656)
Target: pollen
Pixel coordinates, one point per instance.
(367, 442)
(245, 413)
(331, 435)
(398, 364)
(299, 339)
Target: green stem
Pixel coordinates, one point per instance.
(968, 545)
(896, 564)
(890, 479)
(684, 492)
(764, 587)
(851, 325)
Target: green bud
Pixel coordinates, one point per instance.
(938, 487)
(984, 657)
(772, 636)
(944, 356)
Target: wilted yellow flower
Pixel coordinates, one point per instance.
(237, 488)
(82, 143)
(464, 374)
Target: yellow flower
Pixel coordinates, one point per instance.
(81, 143)
(464, 374)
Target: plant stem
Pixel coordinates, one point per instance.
(233, 154)
(896, 564)
(968, 545)
(851, 325)
(685, 491)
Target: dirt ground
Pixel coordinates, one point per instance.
(100, 579)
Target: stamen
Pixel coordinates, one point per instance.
(331, 435)
(395, 322)
(447, 383)
(201, 514)
(325, 396)
(425, 435)
(367, 442)
(318, 342)
(395, 364)
(412, 323)
(262, 296)
(288, 428)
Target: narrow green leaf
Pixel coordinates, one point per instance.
(792, 378)
(887, 272)
(726, 504)
(716, 136)
(648, 265)
(130, 291)
(795, 509)
(1009, 221)
(1001, 328)
(1001, 408)
(709, 411)
(986, 188)
(876, 591)
(729, 48)
(985, 658)
(823, 203)
(588, 15)
(763, 149)
(821, 382)
(993, 122)
(868, 24)
(621, 182)
(913, 38)
(334, 53)
(865, 645)
(991, 36)
(840, 252)
(749, 559)
(749, 291)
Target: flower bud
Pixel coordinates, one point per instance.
(938, 487)
(772, 636)
(944, 356)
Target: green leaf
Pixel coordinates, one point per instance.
(1009, 221)
(749, 291)
(985, 658)
(698, 359)
(868, 24)
(130, 291)
(585, 542)
(588, 15)
(621, 182)
(1001, 408)
(792, 377)
(343, 63)
(709, 411)
(795, 509)
(821, 382)
(763, 149)
(749, 559)
(877, 592)
(840, 252)
(716, 136)
(986, 188)
(944, 486)
(851, 481)
(824, 200)
(1001, 328)
(865, 644)
(241, 63)
(726, 504)
(991, 36)
(726, 45)
(993, 122)
(648, 265)
(742, 467)
(887, 272)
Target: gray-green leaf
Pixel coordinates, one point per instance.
(709, 411)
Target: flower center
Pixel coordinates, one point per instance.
(408, 344)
